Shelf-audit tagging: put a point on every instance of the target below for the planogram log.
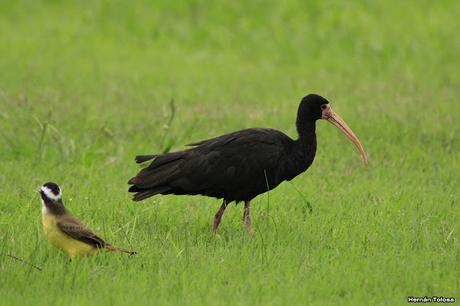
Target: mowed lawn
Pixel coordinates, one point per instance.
(84, 87)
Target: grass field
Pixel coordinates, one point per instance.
(84, 87)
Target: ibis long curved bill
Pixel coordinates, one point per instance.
(329, 115)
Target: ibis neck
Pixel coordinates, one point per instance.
(304, 150)
(307, 132)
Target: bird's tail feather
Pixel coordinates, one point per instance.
(118, 249)
(143, 158)
(142, 194)
(156, 178)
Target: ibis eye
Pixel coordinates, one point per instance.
(323, 107)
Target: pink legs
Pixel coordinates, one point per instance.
(218, 217)
(247, 218)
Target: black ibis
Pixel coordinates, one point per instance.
(241, 165)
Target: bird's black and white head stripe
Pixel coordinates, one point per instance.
(50, 191)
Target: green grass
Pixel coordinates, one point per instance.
(86, 87)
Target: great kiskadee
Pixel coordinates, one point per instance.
(64, 231)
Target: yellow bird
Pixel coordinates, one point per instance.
(64, 231)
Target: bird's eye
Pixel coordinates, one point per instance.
(323, 107)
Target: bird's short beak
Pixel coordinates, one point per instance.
(329, 115)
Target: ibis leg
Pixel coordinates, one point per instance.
(218, 217)
(247, 217)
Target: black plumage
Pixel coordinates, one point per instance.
(236, 166)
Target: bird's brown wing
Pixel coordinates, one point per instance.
(77, 230)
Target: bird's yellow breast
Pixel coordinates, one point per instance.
(62, 241)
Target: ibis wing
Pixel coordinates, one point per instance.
(235, 160)
(75, 229)
(224, 166)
